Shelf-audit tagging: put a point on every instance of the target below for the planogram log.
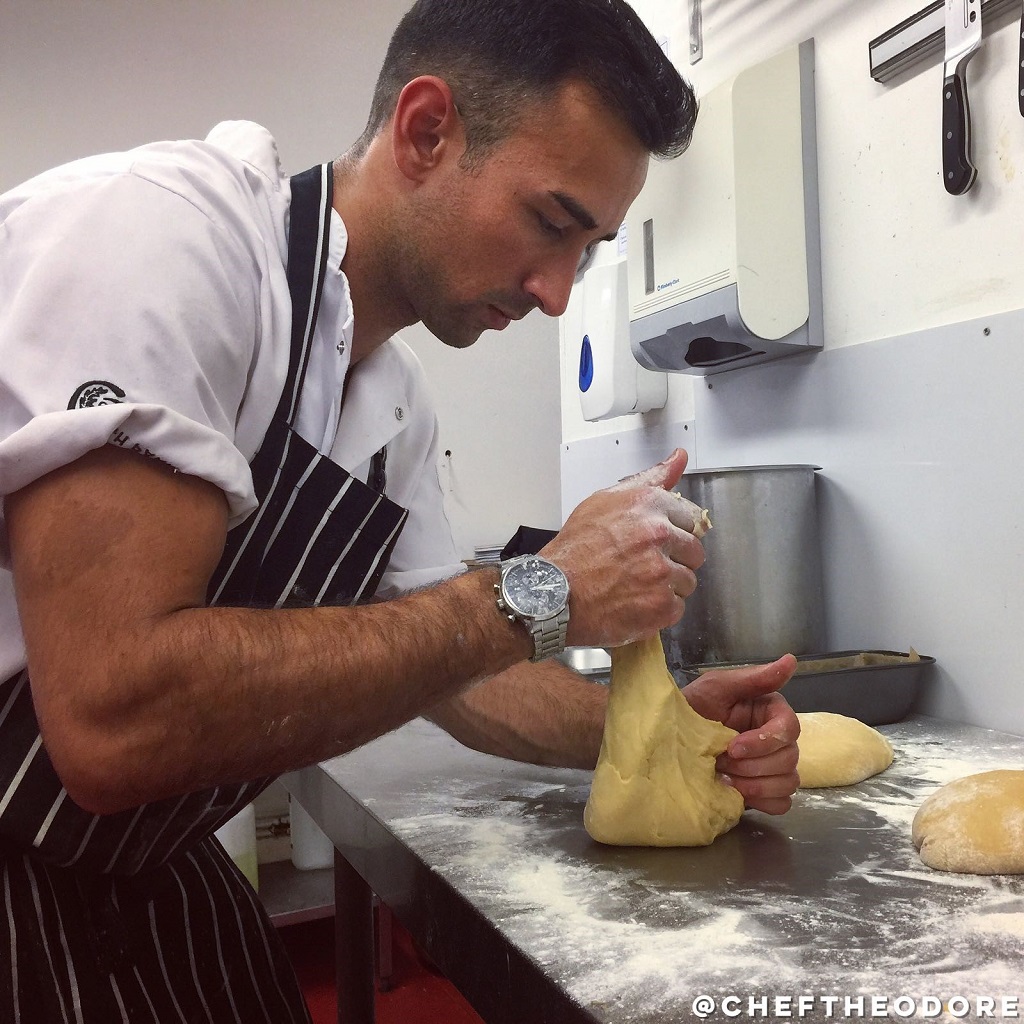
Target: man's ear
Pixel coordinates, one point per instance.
(426, 129)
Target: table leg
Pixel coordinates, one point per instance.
(353, 934)
(384, 962)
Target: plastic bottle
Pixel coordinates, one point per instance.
(238, 837)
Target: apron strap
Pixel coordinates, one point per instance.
(308, 232)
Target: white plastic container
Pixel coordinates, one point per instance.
(611, 381)
(310, 847)
(238, 837)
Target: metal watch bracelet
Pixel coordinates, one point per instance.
(549, 635)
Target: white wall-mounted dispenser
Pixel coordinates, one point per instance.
(611, 381)
(724, 255)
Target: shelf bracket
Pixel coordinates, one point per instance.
(696, 31)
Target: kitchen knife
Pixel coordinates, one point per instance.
(963, 37)
(1020, 67)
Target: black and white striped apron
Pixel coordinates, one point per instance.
(140, 916)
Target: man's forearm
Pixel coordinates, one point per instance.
(143, 692)
(217, 695)
(315, 683)
(540, 713)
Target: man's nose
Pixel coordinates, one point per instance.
(549, 286)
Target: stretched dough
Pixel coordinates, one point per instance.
(839, 751)
(655, 782)
(974, 825)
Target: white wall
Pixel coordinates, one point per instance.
(498, 403)
(898, 253)
(80, 78)
(85, 77)
(912, 410)
(919, 495)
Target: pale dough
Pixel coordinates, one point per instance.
(839, 751)
(655, 782)
(974, 825)
(701, 517)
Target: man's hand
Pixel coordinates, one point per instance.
(761, 762)
(630, 555)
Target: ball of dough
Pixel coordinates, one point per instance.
(974, 825)
(839, 751)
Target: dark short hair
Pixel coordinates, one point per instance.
(498, 55)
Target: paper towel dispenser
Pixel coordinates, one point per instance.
(723, 243)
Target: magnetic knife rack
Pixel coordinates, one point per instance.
(919, 37)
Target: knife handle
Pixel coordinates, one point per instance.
(958, 173)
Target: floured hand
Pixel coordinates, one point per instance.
(630, 553)
(761, 762)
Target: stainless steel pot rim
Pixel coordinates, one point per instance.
(746, 469)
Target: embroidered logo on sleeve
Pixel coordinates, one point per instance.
(95, 392)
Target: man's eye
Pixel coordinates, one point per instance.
(549, 227)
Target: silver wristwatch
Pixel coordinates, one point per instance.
(535, 592)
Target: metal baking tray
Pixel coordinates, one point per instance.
(588, 661)
(876, 687)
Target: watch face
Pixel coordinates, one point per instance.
(536, 588)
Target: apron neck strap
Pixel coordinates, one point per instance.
(308, 237)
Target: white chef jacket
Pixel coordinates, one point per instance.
(144, 302)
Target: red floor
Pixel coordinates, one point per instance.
(419, 994)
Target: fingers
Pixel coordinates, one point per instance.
(753, 680)
(630, 555)
(769, 805)
(769, 796)
(766, 784)
(780, 763)
(664, 475)
(746, 699)
(681, 512)
(761, 763)
(686, 514)
(682, 579)
(683, 549)
(773, 726)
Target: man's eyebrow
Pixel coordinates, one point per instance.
(579, 213)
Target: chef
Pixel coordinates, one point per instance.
(221, 508)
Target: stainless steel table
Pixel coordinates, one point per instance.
(486, 862)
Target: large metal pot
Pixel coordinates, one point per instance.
(760, 591)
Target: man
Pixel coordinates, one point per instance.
(214, 452)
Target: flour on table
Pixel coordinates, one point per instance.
(636, 949)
